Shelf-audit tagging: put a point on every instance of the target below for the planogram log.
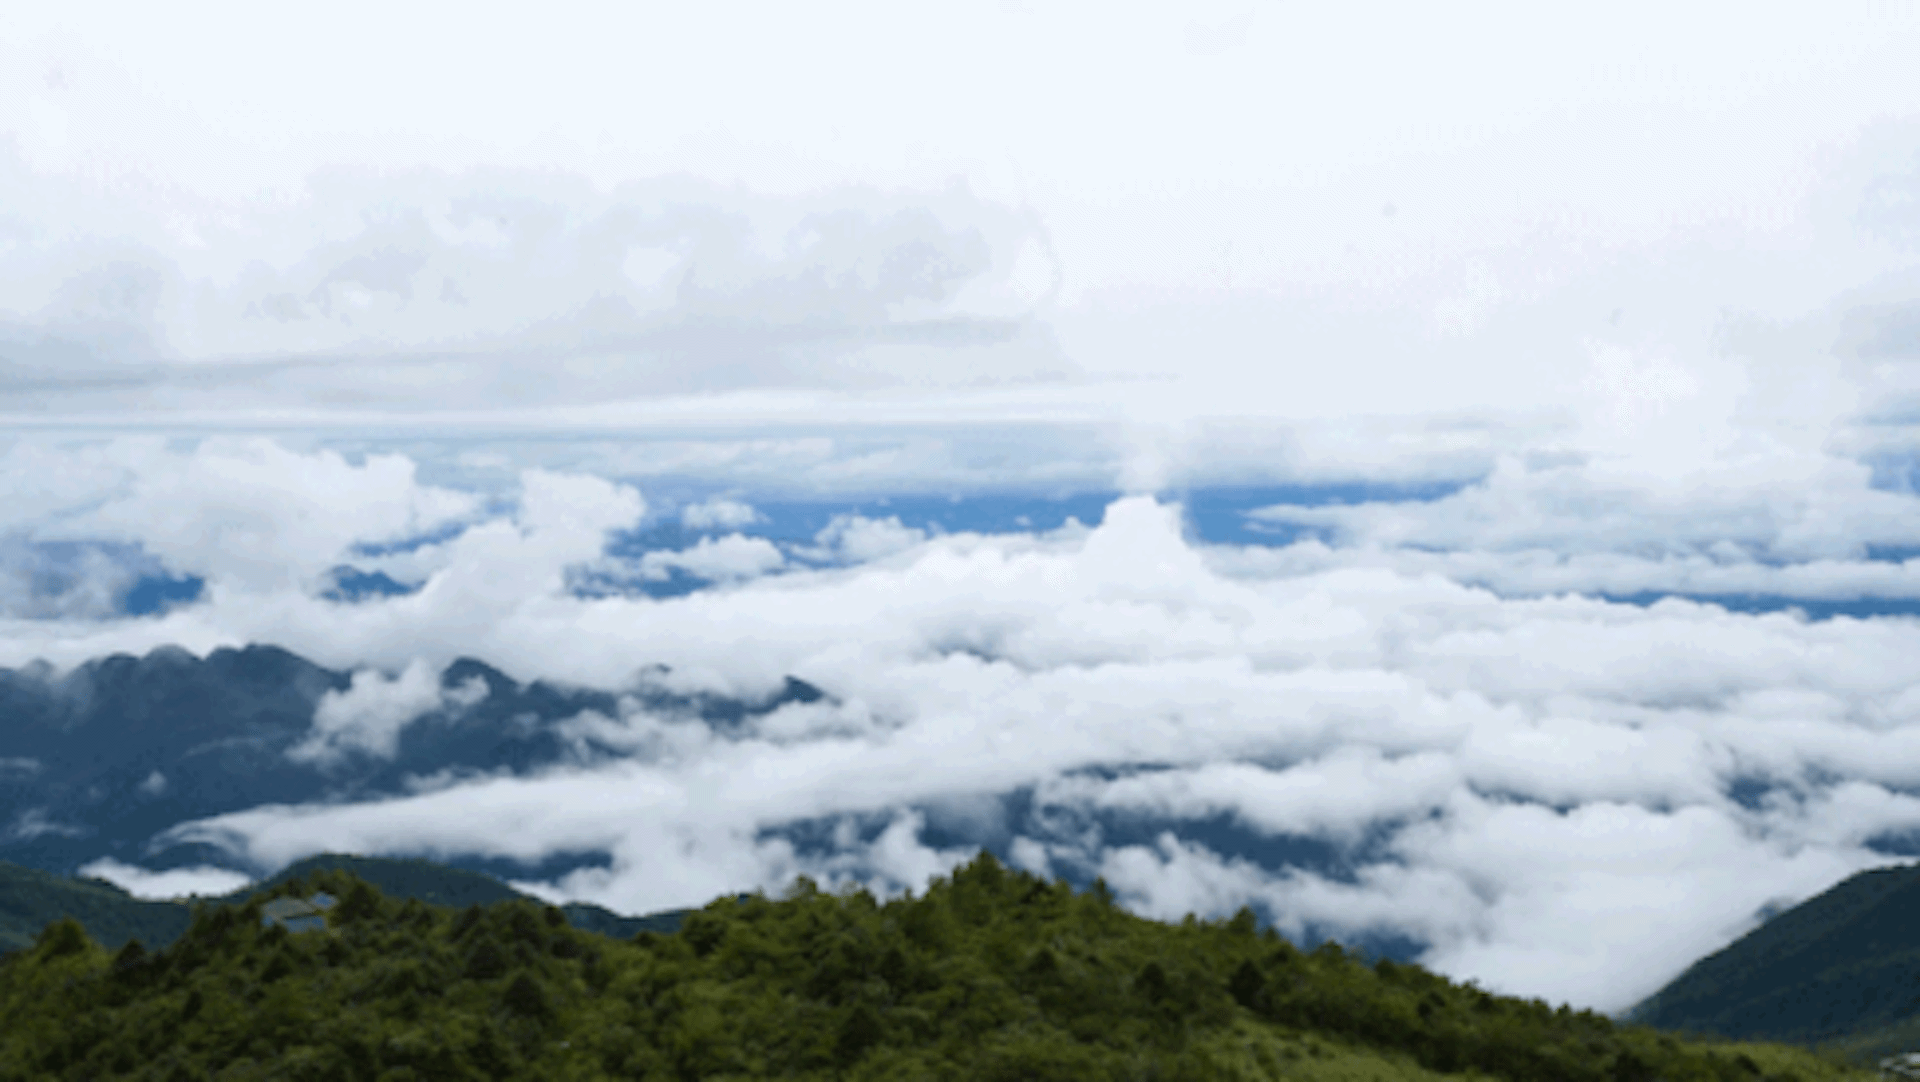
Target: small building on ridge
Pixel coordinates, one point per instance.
(296, 914)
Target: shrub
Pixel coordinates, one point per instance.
(62, 938)
(525, 998)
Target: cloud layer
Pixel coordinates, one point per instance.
(497, 289)
(1554, 793)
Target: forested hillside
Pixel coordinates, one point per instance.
(1839, 967)
(992, 974)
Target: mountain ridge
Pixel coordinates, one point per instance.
(31, 899)
(103, 759)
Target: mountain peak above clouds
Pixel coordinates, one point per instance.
(463, 670)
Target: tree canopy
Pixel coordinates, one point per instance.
(991, 974)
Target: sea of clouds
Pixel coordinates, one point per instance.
(1529, 591)
(1552, 792)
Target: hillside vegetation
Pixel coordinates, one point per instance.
(992, 974)
(1837, 968)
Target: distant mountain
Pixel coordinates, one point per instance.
(435, 884)
(31, 899)
(439, 884)
(101, 760)
(1842, 967)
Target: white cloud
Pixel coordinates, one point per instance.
(33, 823)
(251, 513)
(858, 539)
(1718, 571)
(1338, 796)
(42, 581)
(170, 885)
(719, 513)
(368, 717)
(1793, 524)
(1030, 855)
(574, 512)
(716, 559)
(477, 285)
(1527, 900)
(474, 289)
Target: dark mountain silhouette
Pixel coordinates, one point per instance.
(31, 899)
(1840, 967)
(441, 884)
(102, 760)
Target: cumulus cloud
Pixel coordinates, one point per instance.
(716, 559)
(719, 513)
(248, 512)
(859, 539)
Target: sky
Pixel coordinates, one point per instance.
(1443, 476)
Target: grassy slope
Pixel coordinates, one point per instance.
(991, 975)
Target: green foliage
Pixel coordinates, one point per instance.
(992, 974)
(360, 903)
(61, 938)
